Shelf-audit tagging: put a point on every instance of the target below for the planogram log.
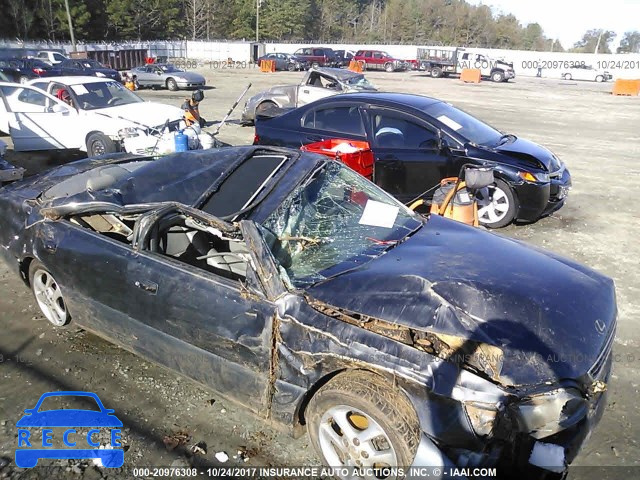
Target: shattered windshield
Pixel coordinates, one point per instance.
(359, 81)
(335, 221)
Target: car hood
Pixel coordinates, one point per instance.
(149, 114)
(550, 317)
(530, 152)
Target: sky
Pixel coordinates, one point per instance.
(567, 20)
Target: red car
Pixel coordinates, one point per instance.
(379, 60)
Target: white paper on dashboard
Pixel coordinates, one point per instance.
(450, 123)
(79, 89)
(378, 214)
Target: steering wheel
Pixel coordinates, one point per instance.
(113, 101)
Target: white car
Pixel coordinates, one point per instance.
(586, 72)
(104, 117)
(51, 57)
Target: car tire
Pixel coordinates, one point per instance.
(23, 79)
(99, 144)
(567, 76)
(48, 295)
(172, 85)
(599, 78)
(388, 67)
(500, 209)
(436, 72)
(497, 76)
(352, 406)
(291, 67)
(315, 65)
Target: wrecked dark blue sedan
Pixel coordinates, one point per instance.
(289, 283)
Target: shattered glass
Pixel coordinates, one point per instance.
(335, 221)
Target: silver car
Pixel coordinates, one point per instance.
(167, 75)
(316, 84)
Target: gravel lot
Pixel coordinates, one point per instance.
(595, 133)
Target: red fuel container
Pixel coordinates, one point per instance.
(360, 160)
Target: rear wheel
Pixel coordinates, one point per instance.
(358, 420)
(599, 78)
(567, 76)
(172, 84)
(497, 205)
(23, 79)
(436, 72)
(99, 144)
(48, 294)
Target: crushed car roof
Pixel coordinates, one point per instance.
(339, 73)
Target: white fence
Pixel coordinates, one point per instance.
(524, 62)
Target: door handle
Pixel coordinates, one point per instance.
(305, 91)
(148, 287)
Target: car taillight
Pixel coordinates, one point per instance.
(256, 139)
(38, 71)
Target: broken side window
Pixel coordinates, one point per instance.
(117, 227)
(202, 246)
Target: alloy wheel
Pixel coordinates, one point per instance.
(49, 297)
(349, 437)
(493, 207)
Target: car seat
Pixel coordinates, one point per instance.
(389, 137)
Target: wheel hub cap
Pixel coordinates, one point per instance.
(349, 437)
(49, 297)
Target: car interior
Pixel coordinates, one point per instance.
(318, 80)
(201, 246)
(178, 236)
(394, 132)
(346, 120)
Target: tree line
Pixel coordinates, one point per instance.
(427, 22)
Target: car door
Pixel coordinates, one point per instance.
(70, 67)
(37, 120)
(407, 152)
(318, 86)
(377, 60)
(206, 323)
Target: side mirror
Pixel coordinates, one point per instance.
(57, 108)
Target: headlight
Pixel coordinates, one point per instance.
(549, 413)
(482, 416)
(100, 74)
(128, 132)
(534, 177)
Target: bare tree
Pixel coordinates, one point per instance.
(198, 14)
(23, 17)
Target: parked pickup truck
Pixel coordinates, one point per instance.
(440, 62)
(316, 84)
